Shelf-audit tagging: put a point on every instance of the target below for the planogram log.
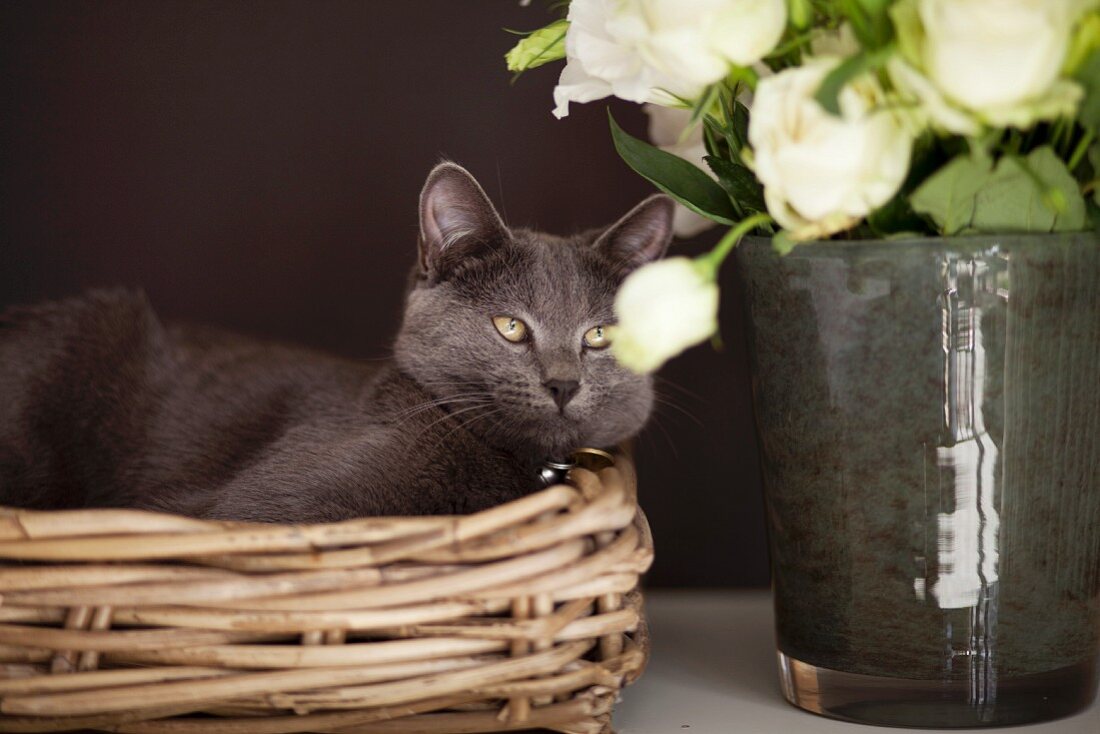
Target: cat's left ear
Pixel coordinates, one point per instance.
(641, 236)
(457, 220)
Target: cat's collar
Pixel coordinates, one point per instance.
(554, 472)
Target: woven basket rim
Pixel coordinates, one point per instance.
(525, 614)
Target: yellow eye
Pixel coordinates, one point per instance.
(597, 337)
(510, 328)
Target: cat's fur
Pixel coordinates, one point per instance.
(102, 405)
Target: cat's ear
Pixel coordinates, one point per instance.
(641, 236)
(457, 220)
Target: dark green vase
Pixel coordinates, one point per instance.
(929, 422)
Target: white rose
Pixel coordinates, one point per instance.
(823, 173)
(663, 308)
(671, 130)
(994, 53)
(661, 50)
(996, 62)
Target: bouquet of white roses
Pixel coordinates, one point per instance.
(810, 119)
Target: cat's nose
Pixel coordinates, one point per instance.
(562, 391)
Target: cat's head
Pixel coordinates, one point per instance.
(506, 326)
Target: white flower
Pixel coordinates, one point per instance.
(671, 130)
(823, 173)
(933, 107)
(663, 308)
(994, 62)
(661, 50)
(994, 53)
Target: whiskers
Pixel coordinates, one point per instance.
(483, 415)
(481, 411)
(451, 404)
(663, 399)
(455, 413)
(468, 404)
(646, 435)
(667, 407)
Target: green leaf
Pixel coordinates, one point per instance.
(683, 181)
(828, 94)
(948, 195)
(1086, 40)
(714, 135)
(895, 216)
(538, 48)
(1094, 214)
(910, 31)
(740, 120)
(742, 75)
(734, 125)
(739, 182)
(869, 21)
(801, 13)
(705, 102)
(1032, 194)
(1088, 75)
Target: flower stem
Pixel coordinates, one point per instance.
(1079, 151)
(713, 259)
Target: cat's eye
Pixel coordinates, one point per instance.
(510, 328)
(597, 337)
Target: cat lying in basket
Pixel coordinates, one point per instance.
(500, 363)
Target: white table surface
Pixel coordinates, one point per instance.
(713, 671)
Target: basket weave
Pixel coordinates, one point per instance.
(526, 615)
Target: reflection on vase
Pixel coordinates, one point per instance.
(967, 536)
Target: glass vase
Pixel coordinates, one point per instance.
(929, 422)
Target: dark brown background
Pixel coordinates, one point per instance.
(256, 165)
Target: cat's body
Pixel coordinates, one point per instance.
(115, 410)
(101, 405)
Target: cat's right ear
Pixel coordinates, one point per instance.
(641, 236)
(457, 220)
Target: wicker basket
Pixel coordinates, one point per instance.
(523, 616)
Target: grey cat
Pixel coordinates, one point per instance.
(500, 363)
